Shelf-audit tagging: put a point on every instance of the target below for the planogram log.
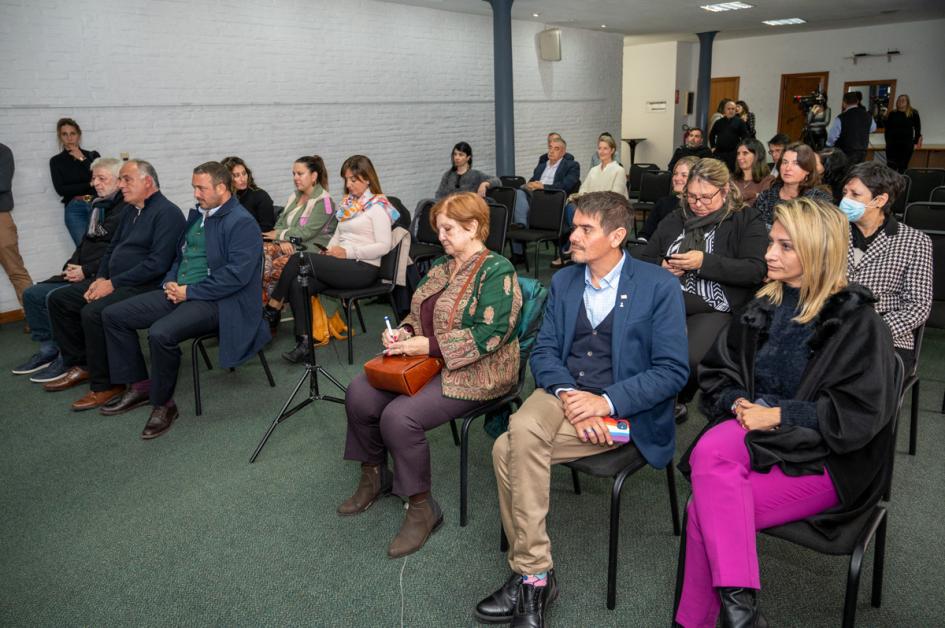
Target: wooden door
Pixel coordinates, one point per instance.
(791, 118)
(723, 87)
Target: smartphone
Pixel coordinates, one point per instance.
(619, 429)
(668, 257)
(321, 247)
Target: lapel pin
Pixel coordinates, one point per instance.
(623, 298)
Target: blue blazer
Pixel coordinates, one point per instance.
(650, 351)
(234, 258)
(567, 176)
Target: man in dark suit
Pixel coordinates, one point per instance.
(214, 285)
(612, 344)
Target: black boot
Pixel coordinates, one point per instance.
(300, 352)
(740, 608)
(532, 602)
(273, 317)
(498, 607)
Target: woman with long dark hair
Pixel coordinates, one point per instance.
(752, 175)
(461, 177)
(255, 199)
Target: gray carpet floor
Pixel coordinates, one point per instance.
(100, 528)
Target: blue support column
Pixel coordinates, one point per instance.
(504, 103)
(705, 78)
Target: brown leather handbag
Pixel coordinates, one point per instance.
(407, 374)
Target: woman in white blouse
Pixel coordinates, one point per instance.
(607, 176)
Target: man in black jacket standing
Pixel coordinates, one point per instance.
(139, 255)
(107, 209)
(850, 131)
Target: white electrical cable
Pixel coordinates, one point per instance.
(402, 601)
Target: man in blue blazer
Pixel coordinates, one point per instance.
(612, 344)
(214, 286)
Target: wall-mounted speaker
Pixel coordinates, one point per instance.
(549, 44)
(690, 98)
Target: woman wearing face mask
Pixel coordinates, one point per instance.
(672, 202)
(799, 392)
(461, 177)
(715, 245)
(726, 133)
(891, 259)
(797, 176)
(72, 176)
(464, 311)
(752, 176)
(253, 198)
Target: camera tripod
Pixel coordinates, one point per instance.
(312, 369)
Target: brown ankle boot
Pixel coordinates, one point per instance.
(422, 520)
(375, 482)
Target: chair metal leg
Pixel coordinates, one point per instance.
(393, 307)
(614, 539)
(879, 562)
(576, 480)
(195, 367)
(265, 365)
(464, 472)
(357, 308)
(455, 432)
(536, 259)
(673, 501)
(203, 352)
(680, 567)
(350, 335)
(914, 419)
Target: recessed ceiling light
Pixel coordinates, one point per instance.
(603, 26)
(535, 15)
(785, 22)
(727, 6)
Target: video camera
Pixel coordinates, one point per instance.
(807, 102)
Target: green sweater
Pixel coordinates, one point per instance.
(193, 264)
(310, 222)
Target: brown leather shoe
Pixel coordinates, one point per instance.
(73, 377)
(130, 400)
(421, 520)
(375, 482)
(95, 398)
(159, 422)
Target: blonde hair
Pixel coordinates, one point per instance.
(464, 208)
(716, 173)
(820, 234)
(909, 109)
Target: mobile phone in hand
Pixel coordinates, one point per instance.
(619, 429)
(321, 247)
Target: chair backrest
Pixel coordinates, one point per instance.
(655, 185)
(937, 195)
(930, 218)
(425, 234)
(636, 174)
(513, 182)
(924, 180)
(503, 196)
(534, 295)
(276, 212)
(899, 205)
(387, 273)
(925, 216)
(498, 227)
(546, 211)
(404, 219)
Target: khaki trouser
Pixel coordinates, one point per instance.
(538, 437)
(10, 256)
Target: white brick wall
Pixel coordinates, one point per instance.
(181, 83)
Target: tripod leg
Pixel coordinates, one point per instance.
(279, 417)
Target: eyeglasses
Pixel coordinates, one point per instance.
(704, 199)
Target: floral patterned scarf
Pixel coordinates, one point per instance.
(351, 207)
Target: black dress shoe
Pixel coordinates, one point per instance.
(159, 422)
(299, 353)
(125, 402)
(499, 607)
(532, 602)
(740, 608)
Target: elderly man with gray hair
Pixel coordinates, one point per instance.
(140, 252)
(107, 209)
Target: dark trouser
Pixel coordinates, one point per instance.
(908, 359)
(167, 324)
(36, 308)
(898, 156)
(855, 156)
(702, 328)
(327, 272)
(77, 328)
(381, 421)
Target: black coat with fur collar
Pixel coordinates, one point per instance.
(850, 376)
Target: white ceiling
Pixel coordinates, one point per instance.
(653, 20)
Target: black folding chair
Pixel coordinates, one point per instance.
(924, 180)
(636, 175)
(653, 186)
(545, 220)
(198, 346)
(899, 205)
(498, 226)
(853, 537)
(425, 244)
(386, 281)
(937, 195)
(514, 182)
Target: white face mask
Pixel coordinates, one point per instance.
(853, 209)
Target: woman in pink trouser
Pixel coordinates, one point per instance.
(800, 388)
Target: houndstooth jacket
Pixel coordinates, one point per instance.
(897, 268)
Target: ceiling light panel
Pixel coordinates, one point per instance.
(785, 22)
(726, 6)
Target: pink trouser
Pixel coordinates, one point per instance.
(730, 502)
